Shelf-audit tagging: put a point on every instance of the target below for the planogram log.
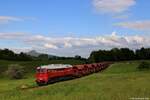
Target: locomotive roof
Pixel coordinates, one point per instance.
(56, 66)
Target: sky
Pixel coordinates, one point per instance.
(73, 27)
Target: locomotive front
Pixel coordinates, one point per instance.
(51, 73)
(41, 76)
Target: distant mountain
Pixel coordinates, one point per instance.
(33, 53)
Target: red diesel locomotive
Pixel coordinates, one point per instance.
(56, 72)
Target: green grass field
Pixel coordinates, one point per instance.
(121, 81)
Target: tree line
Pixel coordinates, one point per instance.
(121, 54)
(115, 54)
(7, 54)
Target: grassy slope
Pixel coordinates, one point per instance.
(120, 81)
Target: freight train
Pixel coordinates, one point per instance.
(57, 72)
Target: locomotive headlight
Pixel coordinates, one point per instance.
(41, 79)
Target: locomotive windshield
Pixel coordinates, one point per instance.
(41, 70)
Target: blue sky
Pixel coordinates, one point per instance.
(70, 27)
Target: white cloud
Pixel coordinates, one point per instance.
(50, 46)
(37, 38)
(84, 46)
(113, 6)
(122, 16)
(66, 44)
(70, 46)
(10, 36)
(109, 40)
(7, 19)
(136, 25)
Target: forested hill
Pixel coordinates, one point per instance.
(121, 54)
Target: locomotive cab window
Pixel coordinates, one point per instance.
(41, 70)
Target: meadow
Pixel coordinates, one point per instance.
(121, 81)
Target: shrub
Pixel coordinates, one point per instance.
(144, 65)
(15, 71)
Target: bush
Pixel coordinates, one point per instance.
(144, 65)
(15, 71)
